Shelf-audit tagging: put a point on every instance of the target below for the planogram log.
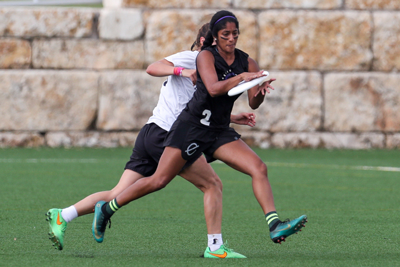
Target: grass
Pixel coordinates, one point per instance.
(353, 213)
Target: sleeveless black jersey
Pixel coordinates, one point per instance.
(214, 112)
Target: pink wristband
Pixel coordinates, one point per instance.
(178, 71)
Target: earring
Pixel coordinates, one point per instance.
(215, 39)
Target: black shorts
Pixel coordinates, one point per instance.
(193, 140)
(148, 150)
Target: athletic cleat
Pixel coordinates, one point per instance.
(99, 222)
(57, 228)
(287, 228)
(223, 253)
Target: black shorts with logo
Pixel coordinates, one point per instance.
(193, 140)
(149, 146)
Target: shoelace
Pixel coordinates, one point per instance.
(103, 227)
(225, 245)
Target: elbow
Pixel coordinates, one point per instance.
(213, 94)
(150, 70)
(254, 106)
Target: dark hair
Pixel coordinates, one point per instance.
(202, 33)
(218, 22)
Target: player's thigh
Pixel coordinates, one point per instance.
(171, 163)
(240, 156)
(201, 174)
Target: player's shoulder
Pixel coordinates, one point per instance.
(186, 54)
(208, 52)
(241, 53)
(183, 55)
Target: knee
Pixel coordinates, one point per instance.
(214, 183)
(261, 169)
(217, 183)
(159, 183)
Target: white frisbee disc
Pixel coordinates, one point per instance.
(243, 86)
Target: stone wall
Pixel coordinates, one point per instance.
(76, 76)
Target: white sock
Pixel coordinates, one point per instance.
(69, 214)
(215, 241)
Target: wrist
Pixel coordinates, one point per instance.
(178, 71)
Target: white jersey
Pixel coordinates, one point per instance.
(176, 91)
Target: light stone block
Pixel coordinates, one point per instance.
(306, 4)
(158, 4)
(255, 138)
(362, 102)
(47, 22)
(120, 24)
(15, 53)
(172, 31)
(248, 38)
(87, 54)
(294, 105)
(386, 41)
(91, 139)
(373, 4)
(393, 141)
(328, 140)
(112, 3)
(21, 139)
(127, 99)
(42, 100)
(323, 40)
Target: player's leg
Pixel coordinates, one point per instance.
(204, 177)
(139, 165)
(241, 157)
(171, 162)
(86, 205)
(59, 218)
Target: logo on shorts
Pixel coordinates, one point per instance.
(191, 149)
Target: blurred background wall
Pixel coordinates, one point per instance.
(75, 76)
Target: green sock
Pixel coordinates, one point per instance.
(110, 208)
(272, 220)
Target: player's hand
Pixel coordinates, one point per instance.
(248, 76)
(190, 74)
(264, 88)
(244, 118)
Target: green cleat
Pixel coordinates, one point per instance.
(57, 228)
(99, 222)
(287, 228)
(223, 253)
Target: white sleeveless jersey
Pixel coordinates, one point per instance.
(176, 91)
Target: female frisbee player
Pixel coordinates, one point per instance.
(176, 91)
(203, 127)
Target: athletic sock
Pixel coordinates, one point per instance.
(272, 220)
(215, 241)
(69, 213)
(109, 208)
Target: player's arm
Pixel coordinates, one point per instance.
(244, 118)
(164, 67)
(208, 74)
(257, 93)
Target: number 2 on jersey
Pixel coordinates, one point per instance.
(206, 119)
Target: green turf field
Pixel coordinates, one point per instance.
(353, 211)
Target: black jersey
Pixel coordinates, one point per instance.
(214, 112)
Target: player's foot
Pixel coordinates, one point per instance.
(57, 227)
(287, 228)
(99, 222)
(223, 253)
